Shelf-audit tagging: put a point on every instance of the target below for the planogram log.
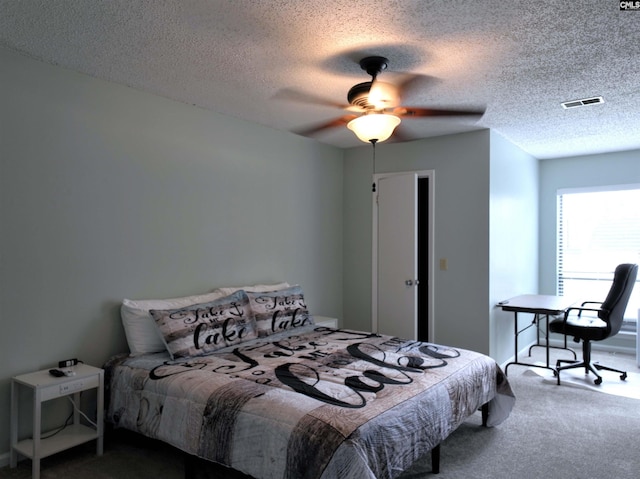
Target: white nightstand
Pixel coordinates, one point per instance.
(46, 387)
(326, 321)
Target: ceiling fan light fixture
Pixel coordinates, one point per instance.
(383, 95)
(374, 126)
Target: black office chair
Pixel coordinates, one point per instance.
(607, 323)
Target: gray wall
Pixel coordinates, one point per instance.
(461, 163)
(107, 192)
(513, 254)
(486, 225)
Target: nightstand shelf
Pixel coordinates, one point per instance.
(73, 435)
(46, 387)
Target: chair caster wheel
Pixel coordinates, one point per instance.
(623, 376)
(597, 381)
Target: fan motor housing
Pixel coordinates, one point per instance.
(359, 95)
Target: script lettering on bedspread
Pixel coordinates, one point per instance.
(169, 368)
(305, 380)
(343, 377)
(432, 350)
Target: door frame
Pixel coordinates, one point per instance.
(430, 249)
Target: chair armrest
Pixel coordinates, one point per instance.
(591, 302)
(580, 309)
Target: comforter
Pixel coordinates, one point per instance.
(314, 402)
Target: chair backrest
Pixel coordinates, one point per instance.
(614, 306)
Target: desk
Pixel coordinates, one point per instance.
(538, 305)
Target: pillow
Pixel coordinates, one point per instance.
(276, 311)
(259, 288)
(200, 329)
(140, 328)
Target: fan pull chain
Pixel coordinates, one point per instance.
(373, 143)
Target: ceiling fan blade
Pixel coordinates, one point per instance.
(400, 135)
(289, 94)
(310, 131)
(412, 83)
(390, 91)
(413, 112)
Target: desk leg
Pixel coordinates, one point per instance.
(515, 336)
(546, 335)
(548, 345)
(536, 323)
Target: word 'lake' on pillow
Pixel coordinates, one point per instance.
(203, 328)
(276, 311)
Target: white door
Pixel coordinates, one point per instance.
(397, 256)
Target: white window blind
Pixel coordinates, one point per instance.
(597, 230)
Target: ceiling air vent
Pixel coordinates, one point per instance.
(587, 101)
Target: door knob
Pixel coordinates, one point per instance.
(410, 282)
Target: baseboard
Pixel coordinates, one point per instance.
(4, 459)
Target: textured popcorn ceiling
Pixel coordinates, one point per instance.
(519, 59)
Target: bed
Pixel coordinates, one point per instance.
(302, 401)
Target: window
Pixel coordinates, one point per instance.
(597, 230)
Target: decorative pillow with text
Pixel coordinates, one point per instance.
(140, 328)
(203, 328)
(276, 311)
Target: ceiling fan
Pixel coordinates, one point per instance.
(375, 106)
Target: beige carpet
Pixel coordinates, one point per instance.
(611, 383)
